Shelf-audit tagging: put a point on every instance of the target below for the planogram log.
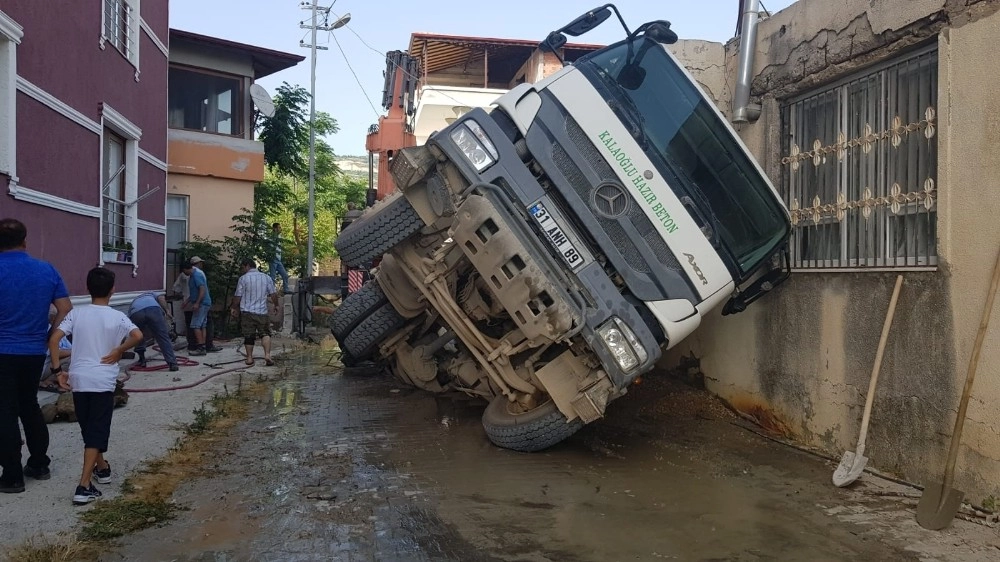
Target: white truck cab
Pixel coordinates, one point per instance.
(544, 254)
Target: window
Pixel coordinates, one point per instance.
(121, 28)
(119, 185)
(177, 221)
(10, 36)
(113, 192)
(860, 168)
(205, 102)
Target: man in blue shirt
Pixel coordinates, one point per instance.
(30, 287)
(199, 302)
(149, 312)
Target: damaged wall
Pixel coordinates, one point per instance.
(805, 353)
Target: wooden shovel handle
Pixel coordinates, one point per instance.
(963, 406)
(878, 363)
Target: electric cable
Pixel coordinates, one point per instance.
(356, 79)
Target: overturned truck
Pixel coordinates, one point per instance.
(543, 254)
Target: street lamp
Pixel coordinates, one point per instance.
(341, 22)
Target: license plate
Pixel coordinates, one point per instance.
(556, 236)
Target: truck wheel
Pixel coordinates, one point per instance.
(376, 327)
(527, 432)
(355, 308)
(388, 223)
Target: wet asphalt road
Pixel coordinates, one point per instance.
(346, 466)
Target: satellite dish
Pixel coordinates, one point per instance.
(262, 100)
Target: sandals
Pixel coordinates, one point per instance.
(248, 362)
(269, 362)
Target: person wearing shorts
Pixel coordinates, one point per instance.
(199, 302)
(101, 335)
(253, 292)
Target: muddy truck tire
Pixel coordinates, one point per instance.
(362, 340)
(530, 431)
(355, 308)
(388, 223)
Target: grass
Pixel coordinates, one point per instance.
(145, 496)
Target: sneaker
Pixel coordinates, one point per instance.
(13, 487)
(83, 496)
(213, 349)
(197, 352)
(102, 476)
(174, 367)
(37, 473)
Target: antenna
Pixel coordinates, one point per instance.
(262, 99)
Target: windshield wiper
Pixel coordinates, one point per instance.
(703, 209)
(622, 104)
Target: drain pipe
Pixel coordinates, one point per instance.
(743, 110)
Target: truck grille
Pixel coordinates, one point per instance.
(631, 212)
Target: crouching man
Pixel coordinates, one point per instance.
(253, 291)
(149, 311)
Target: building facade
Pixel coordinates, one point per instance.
(214, 160)
(83, 139)
(879, 126)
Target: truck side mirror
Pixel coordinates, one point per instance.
(553, 42)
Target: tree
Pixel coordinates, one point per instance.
(286, 133)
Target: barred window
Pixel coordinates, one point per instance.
(859, 170)
(121, 27)
(115, 234)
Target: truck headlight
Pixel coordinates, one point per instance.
(622, 343)
(472, 140)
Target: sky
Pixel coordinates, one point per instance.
(386, 25)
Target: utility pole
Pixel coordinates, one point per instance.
(316, 10)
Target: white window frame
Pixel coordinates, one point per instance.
(130, 48)
(10, 37)
(186, 218)
(130, 133)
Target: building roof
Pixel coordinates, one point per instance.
(265, 61)
(446, 51)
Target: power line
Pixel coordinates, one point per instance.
(356, 79)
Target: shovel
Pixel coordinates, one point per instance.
(940, 502)
(853, 463)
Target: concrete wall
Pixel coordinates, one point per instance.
(800, 359)
(213, 202)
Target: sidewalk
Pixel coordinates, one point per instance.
(145, 429)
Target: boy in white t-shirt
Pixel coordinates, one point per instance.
(100, 335)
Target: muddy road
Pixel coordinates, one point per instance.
(346, 466)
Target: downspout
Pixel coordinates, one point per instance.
(743, 110)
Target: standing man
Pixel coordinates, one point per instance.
(276, 266)
(150, 313)
(253, 291)
(29, 287)
(199, 302)
(182, 288)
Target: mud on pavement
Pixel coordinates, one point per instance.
(355, 466)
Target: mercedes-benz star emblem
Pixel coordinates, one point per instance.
(610, 200)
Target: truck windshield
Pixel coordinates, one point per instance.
(694, 149)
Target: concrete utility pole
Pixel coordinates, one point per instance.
(316, 10)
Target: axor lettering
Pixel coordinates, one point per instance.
(697, 270)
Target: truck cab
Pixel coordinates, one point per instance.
(542, 255)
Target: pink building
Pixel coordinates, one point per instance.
(83, 135)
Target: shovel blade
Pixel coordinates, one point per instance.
(938, 506)
(850, 468)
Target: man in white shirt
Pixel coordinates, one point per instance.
(253, 291)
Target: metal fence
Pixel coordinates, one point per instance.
(859, 168)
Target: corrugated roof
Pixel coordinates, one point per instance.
(437, 52)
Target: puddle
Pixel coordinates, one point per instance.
(349, 467)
